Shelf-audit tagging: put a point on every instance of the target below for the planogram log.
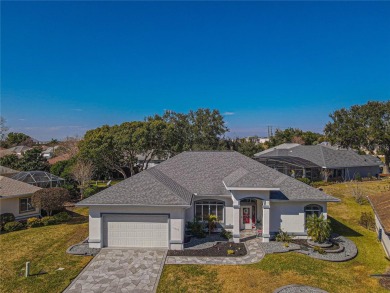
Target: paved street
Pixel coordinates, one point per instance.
(121, 270)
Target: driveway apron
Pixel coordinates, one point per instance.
(121, 270)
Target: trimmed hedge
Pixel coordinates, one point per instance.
(13, 226)
(7, 217)
(34, 222)
(62, 217)
(47, 221)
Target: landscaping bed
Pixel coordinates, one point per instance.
(303, 242)
(219, 249)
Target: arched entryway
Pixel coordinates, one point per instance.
(251, 218)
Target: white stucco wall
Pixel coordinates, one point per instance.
(290, 216)
(11, 205)
(385, 238)
(176, 222)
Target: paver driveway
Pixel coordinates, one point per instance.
(121, 270)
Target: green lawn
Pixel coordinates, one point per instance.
(282, 269)
(45, 248)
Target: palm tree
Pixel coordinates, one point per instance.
(318, 228)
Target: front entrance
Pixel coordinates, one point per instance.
(246, 217)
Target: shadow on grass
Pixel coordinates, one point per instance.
(342, 229)
(76, 218)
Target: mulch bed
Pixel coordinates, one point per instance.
(303, 242)
(220, 249)
(385, 281)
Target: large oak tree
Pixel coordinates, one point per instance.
(362, 127)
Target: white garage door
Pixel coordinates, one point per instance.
(135, 231)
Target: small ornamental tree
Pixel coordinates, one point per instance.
(50, 199)
(318, 228)
(212, 222)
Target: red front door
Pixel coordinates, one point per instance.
(246, 216)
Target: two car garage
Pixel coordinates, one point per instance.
(147, 231)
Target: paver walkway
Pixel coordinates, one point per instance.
(253, 247)
(121, 270)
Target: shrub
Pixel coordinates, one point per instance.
(196, 228)
(358, 195)
(283, 237)
(230, 251)
(13, 226)
(62, 217)
(34, 222)
(47, 221)
(304, 180)
(226, 234)
(367, 220)
(50, 199)
(212, 222)
(6, 218)
(90, 190)
(318, 228)
(358, 177)
(320, 250)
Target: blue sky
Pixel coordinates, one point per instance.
(71, 66)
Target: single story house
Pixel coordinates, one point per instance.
(151, 209)
(15, 198)
(318, 162)
(381, 206)
(19, 150)
(8, 172)
(49, 152)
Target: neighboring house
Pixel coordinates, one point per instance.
(381, 206)
(49, 152)
(5, 152)
(151, 208)
(59, 158)
(39, 178)
(318, 162)
(8, 172)
(15, 198)
(257, 139)
(19, 150)
(155, 160)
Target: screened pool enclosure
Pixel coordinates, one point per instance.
(39, 178)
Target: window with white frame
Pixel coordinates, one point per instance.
(25, 205)
(313, 209)
(204, 208)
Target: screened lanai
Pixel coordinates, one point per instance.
(39, 178)
(292, 166)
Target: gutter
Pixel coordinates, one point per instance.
(376, 214)
(128, 205)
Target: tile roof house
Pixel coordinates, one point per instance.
(381, 206)
(15, 198)
(151, 208)
(311, 161)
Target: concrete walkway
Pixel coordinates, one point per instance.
(253, 247)
(121, 270)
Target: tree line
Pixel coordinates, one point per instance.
(126, 149)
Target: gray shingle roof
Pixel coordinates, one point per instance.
(174, 181)
(11, 188)
(321, 155)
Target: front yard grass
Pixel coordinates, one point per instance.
(45, 248)
(278, 270)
